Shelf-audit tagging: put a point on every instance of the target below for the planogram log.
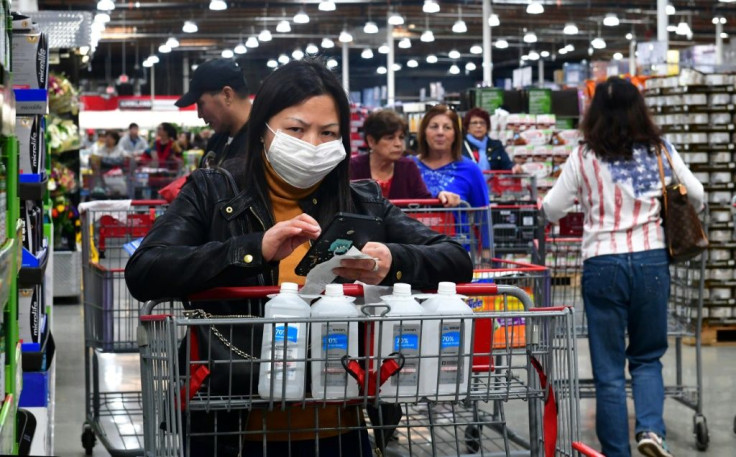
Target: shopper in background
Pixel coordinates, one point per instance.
(89, 139)
(398, 176)
(488, 153)
(249, 223)
(219, 89)
(626, 279)
(184, 141)
(108, 153)
(165, 151)
(133, 144)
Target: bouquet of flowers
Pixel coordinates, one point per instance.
(63, 134)
(63, 96)
(63, 213)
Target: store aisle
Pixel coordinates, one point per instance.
(719, 397)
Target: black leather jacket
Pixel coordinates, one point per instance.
(211, 236)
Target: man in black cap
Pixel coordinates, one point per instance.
(219, 89)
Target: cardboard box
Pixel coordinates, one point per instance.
(31, 318)
(31, 144)
(30, 60)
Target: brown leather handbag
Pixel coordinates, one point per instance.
(683, 231)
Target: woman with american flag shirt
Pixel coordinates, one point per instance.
(614, 175)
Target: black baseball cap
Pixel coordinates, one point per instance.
(211, 76)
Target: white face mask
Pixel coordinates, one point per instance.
(300, 163)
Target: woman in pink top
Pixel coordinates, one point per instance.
(626, 279)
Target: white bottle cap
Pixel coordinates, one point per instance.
(289, 287)
(334, 290)
(446, 288)
(402, 289)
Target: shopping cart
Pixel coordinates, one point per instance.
(564, 259)
(505, 187)
(145, 179)
(110, 232)
(536, 370)
(467, 225)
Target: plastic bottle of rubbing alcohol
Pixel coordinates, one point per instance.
(330, 342)
(404, 336)
(446, 345)
(284, 348)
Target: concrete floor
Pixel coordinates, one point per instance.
(119, 373)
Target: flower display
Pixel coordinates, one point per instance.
(63, 96)
(63, 134)
(63, 213)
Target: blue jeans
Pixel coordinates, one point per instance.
(627, 292)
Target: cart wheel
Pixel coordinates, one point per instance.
(472, 438)
(701, 432)
(88, 439)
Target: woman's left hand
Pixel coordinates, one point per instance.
(448, 199)
(369, 271)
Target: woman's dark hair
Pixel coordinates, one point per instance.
(423, 146)
(169, 129)
(291, 85)
(476, 112)
(114, 135)
(616, 120)
(383, 122)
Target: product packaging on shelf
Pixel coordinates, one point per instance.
(30, 64)
(31, 144)
(31, 318)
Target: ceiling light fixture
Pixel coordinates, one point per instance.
(611, 20)
(163, 49)
(298, 54)
(431, 6)
(240, 49)
(172, 42)
(570, 29)
(265, 35)
(272, 63)
(493, 20)
(396, 19)
(570, 47)
(454, 54)
(459, 26)
(683, 28)
(670, 9)
(189, 27)
(427, 36)
(301, 17)
(105, 5)
(719, 20)
(370, 27)
(332, 63)
(311, 49)
(345, 37)
(530, 37)
(671, 28)
(381, 70)
(251, 42)
(618, 56)
(283, 59)
(476, 49)
(146, 63)
(535, 8)
(218, 5)
(533, 55)
(383, 49)
(154, 58)
(412, 63)
(327, 43)
(502, 44)
(405, 43)
(327, 5)
(431, 58)
(629, 36)
(724, 35)
(470, 66)
(544, 54)
(283, 26)
(454, 70)
(367, 53)
(562, 51)
(598, 43)
(103, 18)
(396, 67)
(228, 54)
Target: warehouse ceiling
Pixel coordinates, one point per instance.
(145, 25)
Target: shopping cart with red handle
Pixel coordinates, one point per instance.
(510, 188)
(538, 373)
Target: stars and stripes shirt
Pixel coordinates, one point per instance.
(620, 199)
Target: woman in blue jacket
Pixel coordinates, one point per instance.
(488, 153)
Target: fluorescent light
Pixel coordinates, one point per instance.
(670, 9)
(301, 17)
(535, 8)
(459, 26)
(454, 70)
(367, 53)
(598, 43)
(283, 59)
(218, 5)
(103, 18)
(283, 26)
(189, 27)
(172, 42)
(154, 58)
(396, 67)
(454, 54)
(240, 49)
(105, 5)
(611, 20)
(544, 54)
(570, 29)
(312, 49)
(470, 66)
(476, 49)
(530, 37)
(412, 63)
(332, 63)
(405, 43)
(431, 6)
(327, 5)
(431, 58)
(370, 27)
(383, 49)
(502, 44)
(618, 56)
(265, 35)
(381, 70)
(427, 36)
(396, 19)
(272, 63)
(251, 42)
(298, 54)
(327, 43)
(163, 49)
(228, 54)
(345, 37)
(493, 20)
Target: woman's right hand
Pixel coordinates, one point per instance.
(448, 199)
(280, 240)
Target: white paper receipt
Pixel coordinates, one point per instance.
(321, 275)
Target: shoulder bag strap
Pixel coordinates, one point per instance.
(661, 177)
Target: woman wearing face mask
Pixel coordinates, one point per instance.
(250, 222)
